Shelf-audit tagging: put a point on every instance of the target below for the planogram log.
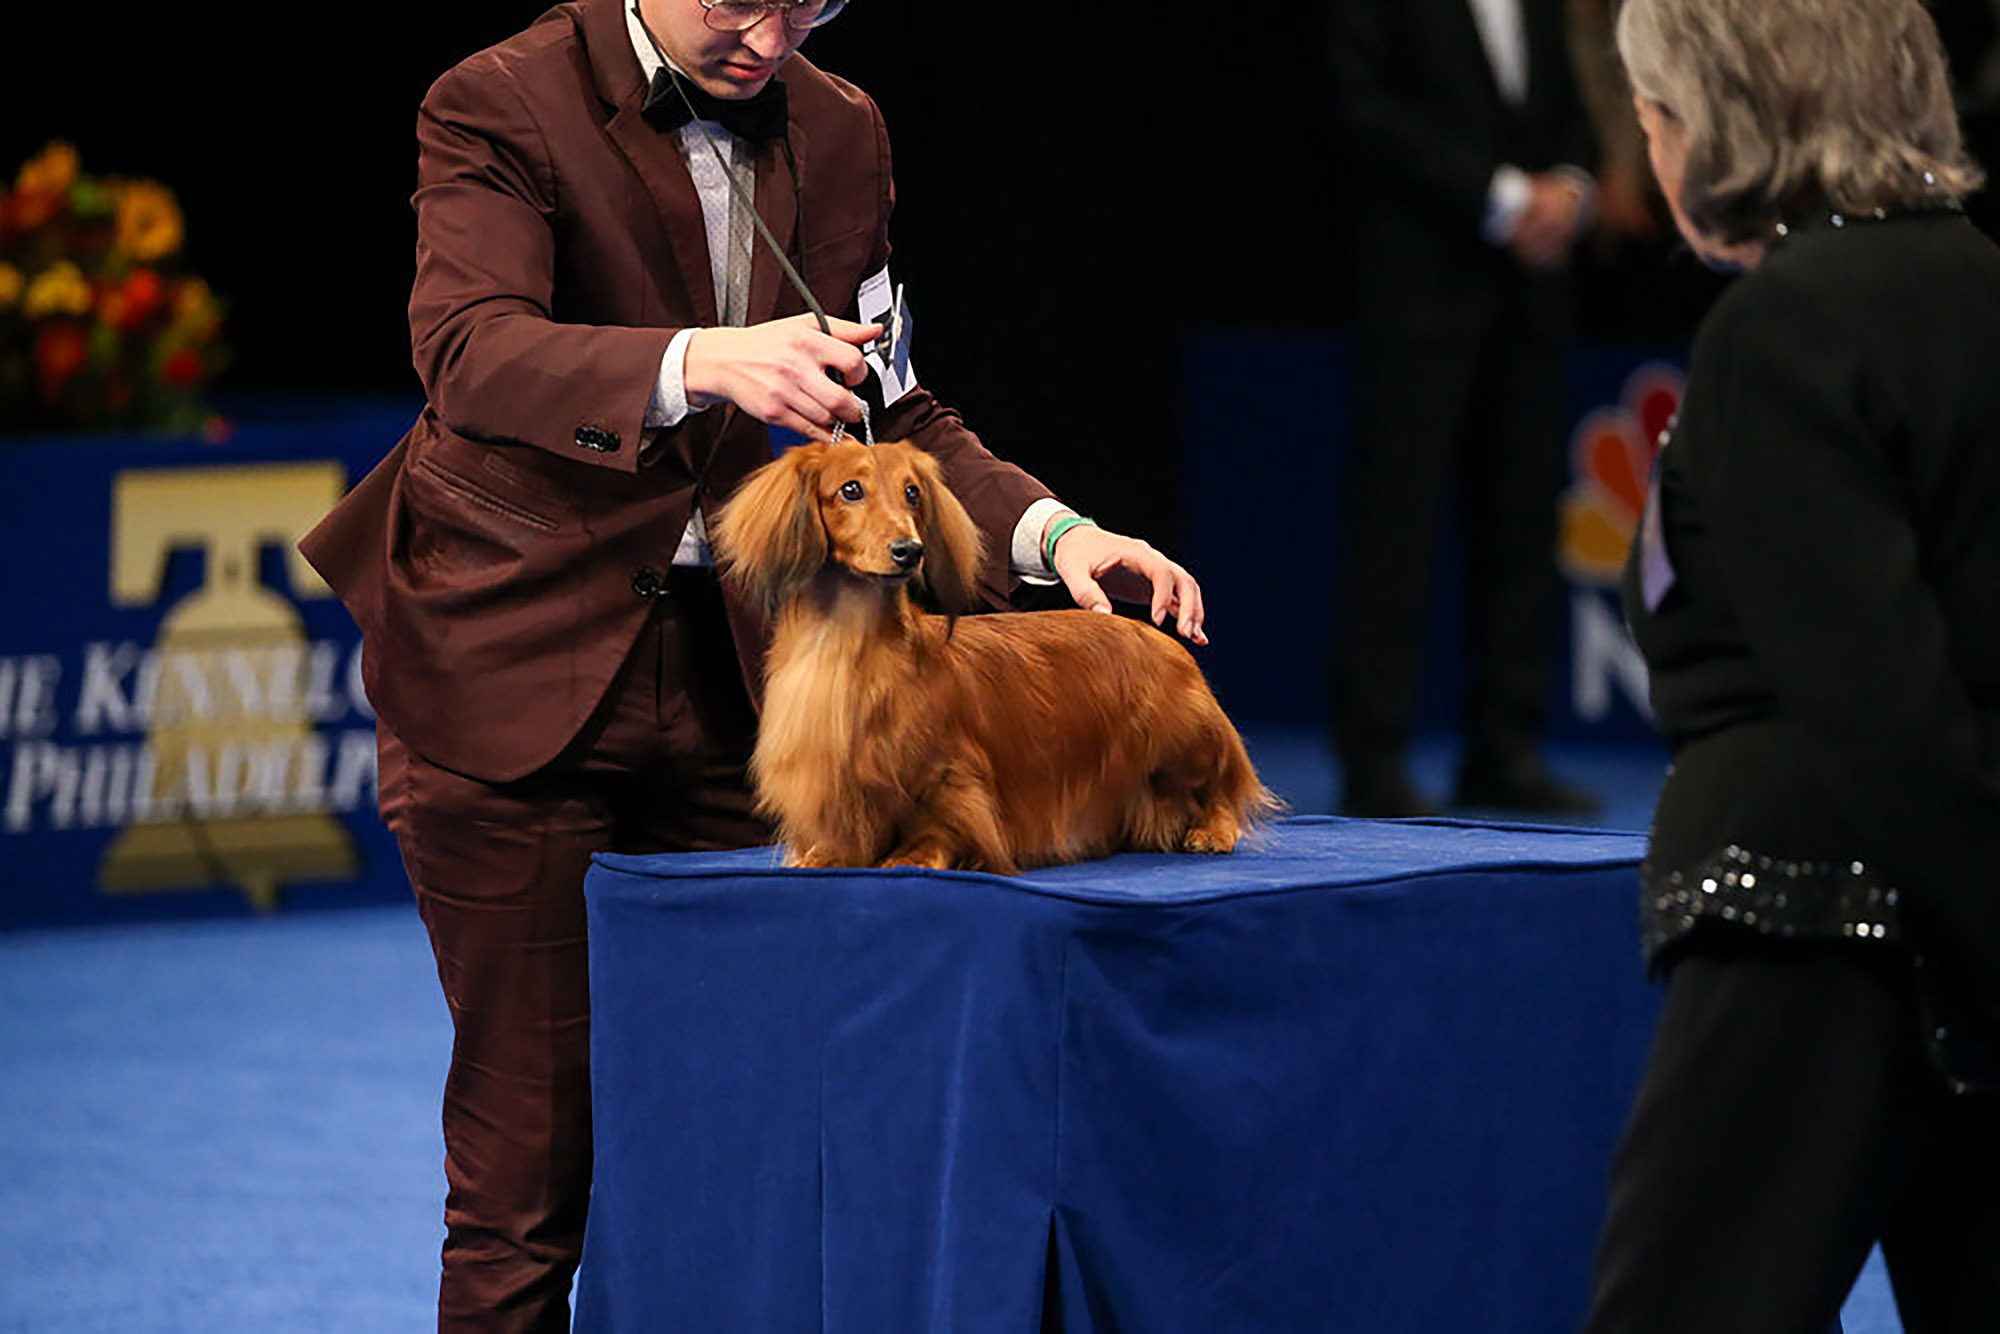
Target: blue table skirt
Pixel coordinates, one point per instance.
(1365, 1077)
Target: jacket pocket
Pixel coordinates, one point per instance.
(475, 493)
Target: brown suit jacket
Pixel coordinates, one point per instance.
(496, 559)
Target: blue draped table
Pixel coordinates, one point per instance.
(1366, 1077)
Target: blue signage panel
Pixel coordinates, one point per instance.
(182, 725)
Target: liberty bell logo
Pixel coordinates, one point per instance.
(222, 800)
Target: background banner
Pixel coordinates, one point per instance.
(182, 725)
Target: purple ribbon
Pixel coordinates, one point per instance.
(1656, 571)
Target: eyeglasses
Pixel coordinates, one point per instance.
(743, 15)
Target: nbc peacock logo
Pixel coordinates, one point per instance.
(1612, 455)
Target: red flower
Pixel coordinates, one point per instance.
(28, 210)
(182, 367)
(59, 353)
(142, 294)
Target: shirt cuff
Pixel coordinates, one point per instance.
(1024, 556)
(1586, 187)
(1506, 199)
(669, 404)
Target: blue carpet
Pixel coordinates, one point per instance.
(223, 1126)
(233, 1125)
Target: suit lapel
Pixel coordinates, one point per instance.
(1464, 27)
(1545, 41)
(778, 206)
(657, 159)
(654, 156)
(664, 172)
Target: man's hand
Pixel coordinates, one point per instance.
(1547, 227)
(777, 371)
(1131, 571)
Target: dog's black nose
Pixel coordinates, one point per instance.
(906, 552)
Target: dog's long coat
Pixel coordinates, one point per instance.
(992, 742)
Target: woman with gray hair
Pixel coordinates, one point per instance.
(1816, 590)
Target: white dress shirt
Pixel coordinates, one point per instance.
(1505, 36)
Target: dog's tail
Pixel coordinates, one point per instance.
(1256, 803)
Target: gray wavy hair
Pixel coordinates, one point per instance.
(1799, 104)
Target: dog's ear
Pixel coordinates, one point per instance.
(768, 539)
(953, 546)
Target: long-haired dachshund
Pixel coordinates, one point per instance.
(895, 737)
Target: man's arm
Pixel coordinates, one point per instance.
(495, 364)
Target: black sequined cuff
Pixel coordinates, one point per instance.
(1768, 895)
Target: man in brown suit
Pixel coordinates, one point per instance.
(555, 668)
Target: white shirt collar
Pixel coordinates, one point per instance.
(1503, 32)
(642, 47)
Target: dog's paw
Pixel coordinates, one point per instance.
(930, 859)
(810, 858)
(1210, 841)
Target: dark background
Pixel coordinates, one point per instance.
(1073, 193)
(1080, 187)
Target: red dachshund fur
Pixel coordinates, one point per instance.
(994, 742)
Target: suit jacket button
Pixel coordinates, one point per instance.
(647, 583)
(597, 438)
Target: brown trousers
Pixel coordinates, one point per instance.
(498, 871)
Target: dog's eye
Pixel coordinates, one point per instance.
(851, 491)
(911, 495)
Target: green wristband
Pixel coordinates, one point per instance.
(1056, 530)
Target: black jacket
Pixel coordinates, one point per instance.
(1422, 127)
(1826, 660)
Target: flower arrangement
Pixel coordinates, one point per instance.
(100, 327)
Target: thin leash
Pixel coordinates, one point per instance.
(749, 204)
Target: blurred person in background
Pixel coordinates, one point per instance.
(1468, 158)
(1628, 204)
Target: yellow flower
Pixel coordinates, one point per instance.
(194, 305)
(53, 172)
(60, 289)
(149, 221)
(11, 285)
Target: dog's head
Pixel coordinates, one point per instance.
(879, 513)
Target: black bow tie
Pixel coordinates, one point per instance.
(757, 119)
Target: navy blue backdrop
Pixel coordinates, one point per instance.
(1260, 505)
